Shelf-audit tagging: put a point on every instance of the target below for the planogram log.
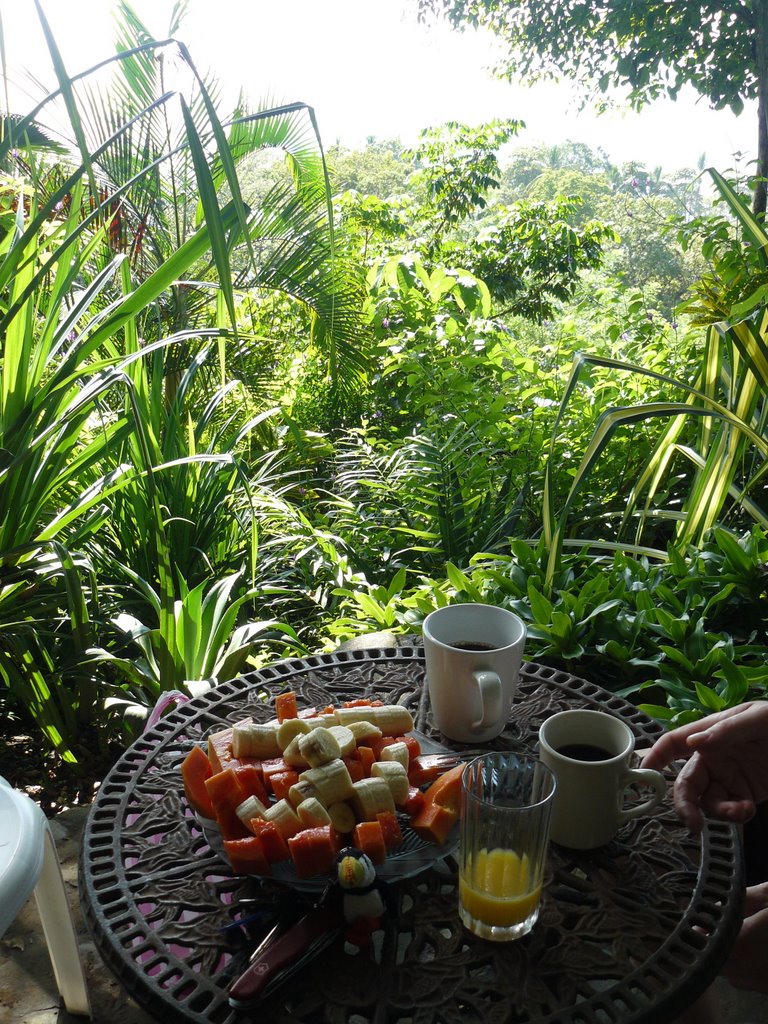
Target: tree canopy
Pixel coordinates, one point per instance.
(648, 48)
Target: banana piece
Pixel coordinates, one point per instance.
(321, 721)
(396, 752)
(395, 776)
(331, 781)
(301, 791)
(254, 739)
(346, 716)
(371, 796)
(284, 817)
(250, 808)
(393, 719)
(363, 731)
(345, 738)
(312, 813)
(342, 817)
(290, 728)
(318, 747)
(292, 754)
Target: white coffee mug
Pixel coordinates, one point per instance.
(473, 654)
(590, 752)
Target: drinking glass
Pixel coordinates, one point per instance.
(506, 803)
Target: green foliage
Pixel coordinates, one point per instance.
(381, 169)
(718, 430)
(640, 628)
(457, 166)
(531, 255)
(240, 420)
(120, 465)
(644, 50)
(652, 50)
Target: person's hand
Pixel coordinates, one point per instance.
(726, 774)
(746, 964)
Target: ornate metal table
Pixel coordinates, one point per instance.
(632, 932)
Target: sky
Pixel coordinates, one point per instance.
(369, 69)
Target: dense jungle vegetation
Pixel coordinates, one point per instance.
(258, 399)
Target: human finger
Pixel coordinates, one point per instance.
(742, 725)
(690, 786)
(674, 745)
(717, 803)
(756, 899)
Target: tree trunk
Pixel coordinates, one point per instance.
(760, 14)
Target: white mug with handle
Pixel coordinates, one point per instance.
(590, 754)
(473, 654)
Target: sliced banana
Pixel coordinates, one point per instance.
(318, 747)
(292, 754)
(363, 731)
(250, 808)
(331, 780)
(289, 729)
(254, 739)
(301, 791)
(345, 739)
(342, 817)
(283, 816)
(312, 813)
(371, 796)
(395, 776)
(393, 719)
(396, 752)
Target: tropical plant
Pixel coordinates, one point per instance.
(724, 456)
(96, 331)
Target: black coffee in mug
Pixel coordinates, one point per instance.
(584, 752)
(472, 645)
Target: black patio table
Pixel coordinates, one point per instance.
(632, 932)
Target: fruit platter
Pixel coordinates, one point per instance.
(280, 799)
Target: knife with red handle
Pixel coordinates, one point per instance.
(286, 954)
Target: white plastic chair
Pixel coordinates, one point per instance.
(29, 864)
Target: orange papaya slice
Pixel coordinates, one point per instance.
(369, 837)
(195, 769)
(285, 706)
(433, 823)
(247, 857)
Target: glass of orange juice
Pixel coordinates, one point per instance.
(506, 804)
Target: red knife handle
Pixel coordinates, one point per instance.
(283, 953)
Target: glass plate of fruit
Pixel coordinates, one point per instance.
(278, 800)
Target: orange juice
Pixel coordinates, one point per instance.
(495, 887)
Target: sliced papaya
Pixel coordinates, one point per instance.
(425, 768)
(247, 857)
(272, 840)
(313, 850)
(390, 827)
(285, 706)
(445, 791)
(369, 837)
(414, 802)
(281, 783)
(251, 777)
(354, 767)
(366, 757)
(220, 750)
(226, 794)
(195, 769)
(433, 823)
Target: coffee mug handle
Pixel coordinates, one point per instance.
(489, 685)
(647, 777)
